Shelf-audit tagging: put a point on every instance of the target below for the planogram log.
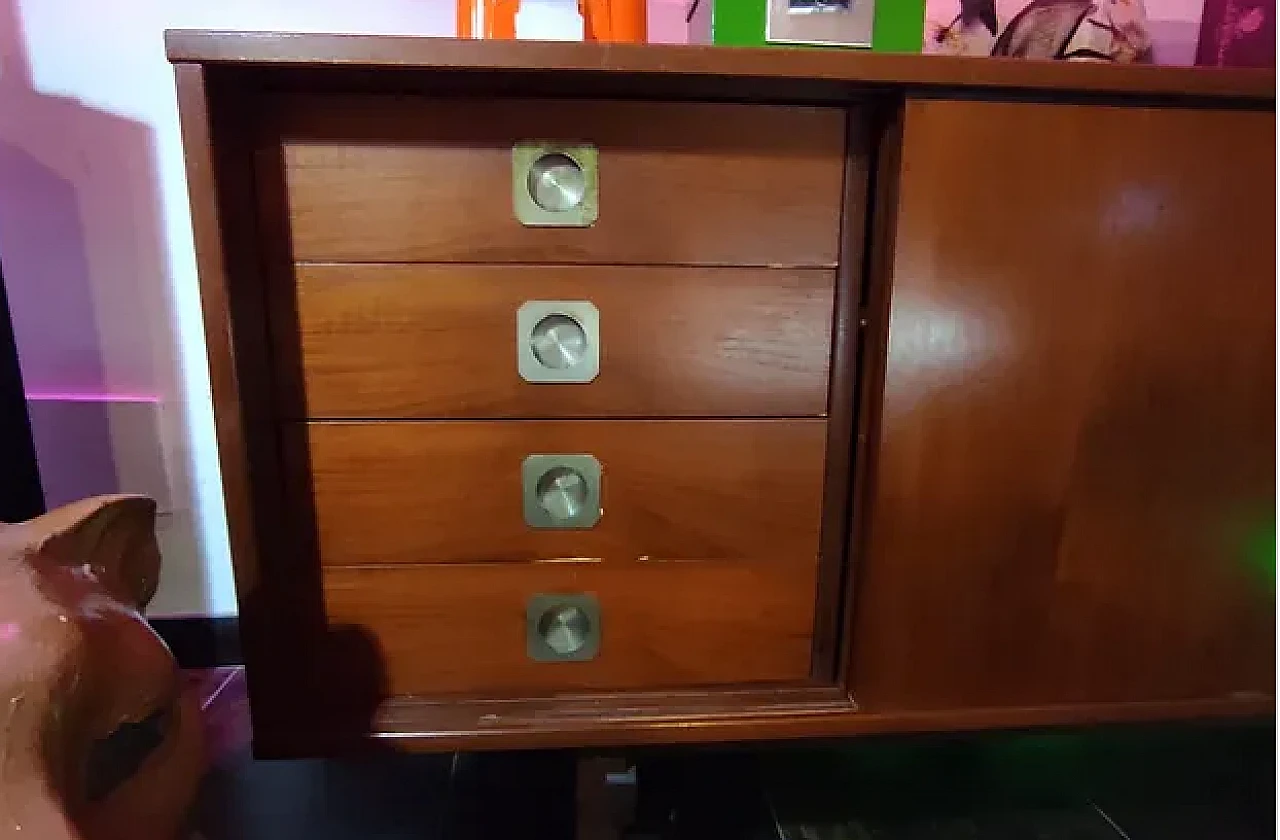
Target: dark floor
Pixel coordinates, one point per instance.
(1207, 782)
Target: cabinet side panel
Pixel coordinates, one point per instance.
(280, 611)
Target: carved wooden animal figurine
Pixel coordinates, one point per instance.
(97, 741)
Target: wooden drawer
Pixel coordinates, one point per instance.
(462, 629)
(451, 492)
(441, 341)
(414, 179)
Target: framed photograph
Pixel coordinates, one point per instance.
(1124, 31)
(845, 23)
(1238, 33)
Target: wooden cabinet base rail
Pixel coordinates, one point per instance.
(582, 395)
(648, 719)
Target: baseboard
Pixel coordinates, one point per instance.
(201, 641)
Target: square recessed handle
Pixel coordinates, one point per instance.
(561, 491)
(555, 185)
(558, 341)
(562, 627)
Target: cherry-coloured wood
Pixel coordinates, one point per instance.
(845, 348)
(873, 323)
(440, 341)
(450, 492)
(461, 629)
(767, 713)
(277, 592)
(216, 295)
(1147, 383)
(762, 714)
(748, 69)
(421, 179)
(1074, 494)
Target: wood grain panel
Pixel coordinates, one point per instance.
(766, 713)
(1073, 499)
(842, 412)
(440, 341)
(461, 629)
(448, 492)
(646, 69)
(275, 595)
(417, 179)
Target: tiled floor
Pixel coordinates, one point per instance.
(1135, 783)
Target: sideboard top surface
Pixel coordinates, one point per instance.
(747, 66)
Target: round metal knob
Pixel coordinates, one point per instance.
(565, 629)
(558, 342)
(556, 182)
(563, 493)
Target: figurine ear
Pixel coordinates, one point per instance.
(113, 535)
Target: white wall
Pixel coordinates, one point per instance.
(95, 234)
(549, 20)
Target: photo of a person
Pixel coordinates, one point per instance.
(1072, 30)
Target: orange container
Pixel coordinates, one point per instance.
(614, 20)
(602, 20)
(487, 18)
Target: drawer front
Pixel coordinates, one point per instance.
(406, 179)
(465, 629)
(667, 490)
(445, 341)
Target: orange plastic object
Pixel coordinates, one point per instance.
(487, 18)
(603, 20)
(614, 20)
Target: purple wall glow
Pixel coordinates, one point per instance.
(96, 238)
(666, 21)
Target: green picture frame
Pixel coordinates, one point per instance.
(898, 28)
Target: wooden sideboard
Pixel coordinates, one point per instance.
(591, 395)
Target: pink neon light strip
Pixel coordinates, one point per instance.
(60, 396)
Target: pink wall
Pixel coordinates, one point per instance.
(667, 21)
(1175, 29)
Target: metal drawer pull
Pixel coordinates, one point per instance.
(562, 628)
(561, 491)
(558, 341)
(554, 185)
(556, 182)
